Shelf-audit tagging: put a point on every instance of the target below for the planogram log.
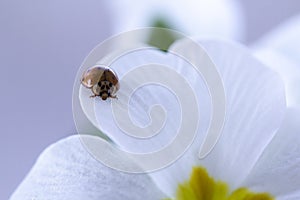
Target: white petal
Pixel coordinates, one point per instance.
(287, 69)
(280, 49)
(291, 196)
(214, 17)
(164, 84)
(278, 169)
(66, 170)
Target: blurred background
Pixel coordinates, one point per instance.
(42, 45)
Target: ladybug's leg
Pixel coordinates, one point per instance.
(93, 96)
(113, 96)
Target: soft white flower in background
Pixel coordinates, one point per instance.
(280, 49)
(223, 18)
(259, 148)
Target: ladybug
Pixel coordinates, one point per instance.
(103, 82)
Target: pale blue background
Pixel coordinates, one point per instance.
(42, 44)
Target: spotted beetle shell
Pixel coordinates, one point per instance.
(103, 81)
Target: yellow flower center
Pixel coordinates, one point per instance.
(203, 187)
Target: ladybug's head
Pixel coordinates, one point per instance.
(105, 88)
(104, 95)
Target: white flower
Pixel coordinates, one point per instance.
(194, 17)
(257, 155)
